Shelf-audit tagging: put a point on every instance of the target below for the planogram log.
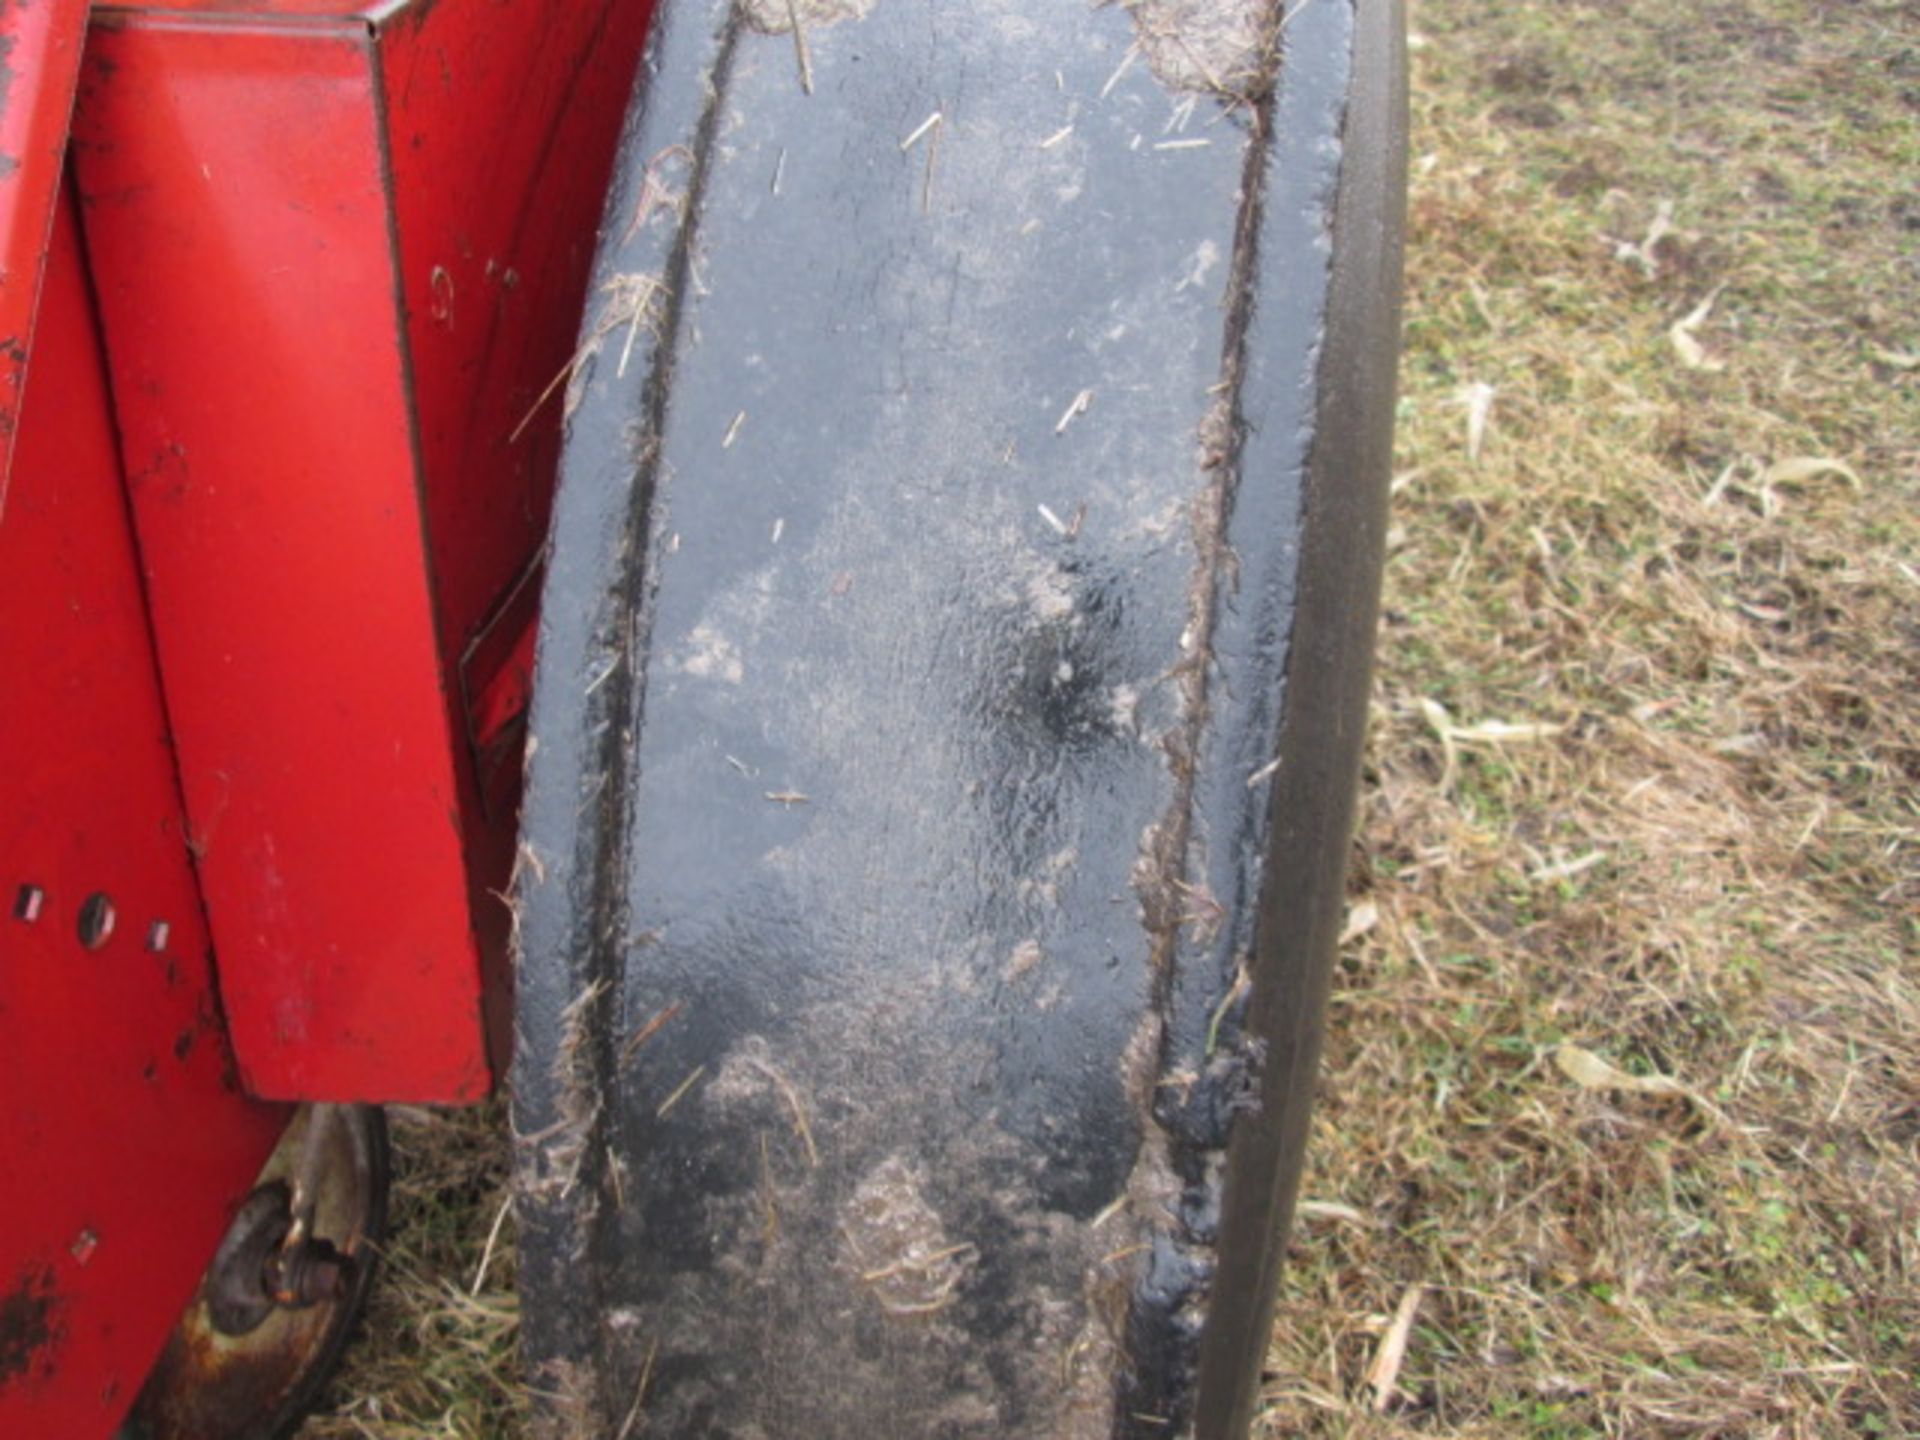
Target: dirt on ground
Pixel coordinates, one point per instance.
(1620, 1132)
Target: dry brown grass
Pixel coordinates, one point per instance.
(1693, 851)
(438, 1358)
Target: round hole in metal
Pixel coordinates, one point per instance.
(96, 920)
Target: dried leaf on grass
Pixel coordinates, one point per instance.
(1590, 1072)
(1454, 736)
(1478, 399)
(1330, 1210)
(1392, 1354)
(1361, 919)
(1685, 338)
(1798, 469)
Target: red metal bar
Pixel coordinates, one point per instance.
(39, 58)
(124, 1140)
(238, 226)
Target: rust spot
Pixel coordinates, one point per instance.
(211, 1385)
(213, 1382)
(29, 1327)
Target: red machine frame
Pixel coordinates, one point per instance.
(279, 436)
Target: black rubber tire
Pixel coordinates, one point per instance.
(951, 684)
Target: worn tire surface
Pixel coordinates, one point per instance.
(951, 683)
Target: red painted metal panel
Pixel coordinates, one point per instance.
(502, 138)
(238, 224)
(39, 57)
(502, 124)
(124, 1140)
(339, 259)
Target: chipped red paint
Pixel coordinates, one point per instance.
(29, 1328)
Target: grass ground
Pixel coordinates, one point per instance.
(1646, 768)
(1621, 1128)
